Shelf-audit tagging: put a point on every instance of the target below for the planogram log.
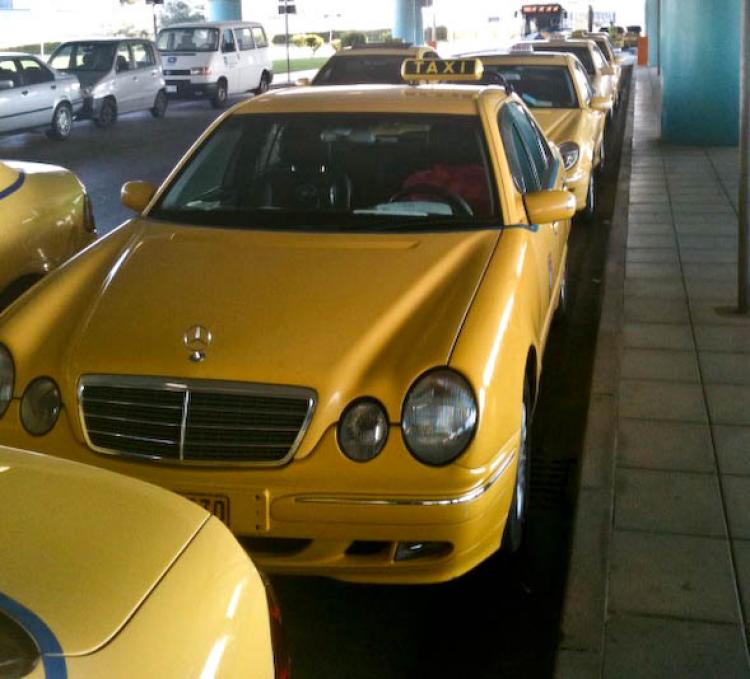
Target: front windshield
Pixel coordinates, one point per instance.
(188, 40)
(542, 23)
(353, 70)
(605, 49)
(539, 86)
(81, 57)
(330, 171)
(581, 51)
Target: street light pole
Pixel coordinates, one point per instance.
(743, 240)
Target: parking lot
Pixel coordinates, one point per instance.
(500, 620)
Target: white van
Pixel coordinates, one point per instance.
(215, 60)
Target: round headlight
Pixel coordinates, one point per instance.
(440, 416)
(40, 406)
(7, 377)
(363, 430)
(569, 151)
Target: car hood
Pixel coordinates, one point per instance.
(81, 548)
(343, 314)
(559, 125)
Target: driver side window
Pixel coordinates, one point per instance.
(227, 42)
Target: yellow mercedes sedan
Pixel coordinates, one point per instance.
(327, 326)
(556, 89)
(46, 218)
(106, 576)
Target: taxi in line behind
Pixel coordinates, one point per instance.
(329, 322)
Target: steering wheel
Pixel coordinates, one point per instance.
(457, 203)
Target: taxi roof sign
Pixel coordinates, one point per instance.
(442, 70)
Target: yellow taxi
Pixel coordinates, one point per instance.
(106, 576)
(46, 219)
(556, 89)
(605, 47)
(328, 322)
(371, 63)
(603, 76)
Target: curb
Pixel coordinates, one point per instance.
(580, 652)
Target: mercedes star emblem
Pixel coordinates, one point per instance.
(197, 339)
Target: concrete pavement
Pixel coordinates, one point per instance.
(659, 582)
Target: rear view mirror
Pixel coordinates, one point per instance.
(603, 104)
(543, 207)
(137, 195)
(6, 85)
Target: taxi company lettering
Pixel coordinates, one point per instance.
(456, 67)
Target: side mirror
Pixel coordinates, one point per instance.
(603, 104)
(303, 82)
(543, 207)
(6, 85)
(137, 195)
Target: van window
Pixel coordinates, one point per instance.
(259, 35)
(122, 60)
(245, 39)
(142, 55)
(227, 41)
(188, 40)
(84, 56)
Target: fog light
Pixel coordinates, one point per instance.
(40, 406)
(421, 550)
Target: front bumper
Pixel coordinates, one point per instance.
(326, 515)
(186, 89)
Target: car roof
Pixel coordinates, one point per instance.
(426, 99)
(386, 50)
(213, 24)
(13, 55)
(540, 58)
(575, 42)
(107, 39)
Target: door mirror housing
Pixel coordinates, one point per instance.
(603, 104)
(543, 207)
(137, 195)
(6, 85)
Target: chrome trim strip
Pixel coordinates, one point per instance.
(462, 499)
(183, 423)
(177, 384)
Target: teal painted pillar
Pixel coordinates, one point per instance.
(652, 31)
(407, 24)
(700, 63)
(225, 10)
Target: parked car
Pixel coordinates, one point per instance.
(215, 60)
(375, 63)
(630, 39)
(605, 46)
(33, 96)
(117, 75)
(105, 576)
(46, 219)
(331, 316)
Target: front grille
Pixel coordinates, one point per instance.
(198, 421)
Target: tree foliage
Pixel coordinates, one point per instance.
(177, 11)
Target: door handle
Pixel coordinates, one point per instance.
(53, 87)
(135, 77)
(25, 92)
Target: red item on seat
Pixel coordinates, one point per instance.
(467, 181)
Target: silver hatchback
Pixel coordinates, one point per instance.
(117, 75)
(32, 95)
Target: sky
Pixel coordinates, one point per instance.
(36, 20)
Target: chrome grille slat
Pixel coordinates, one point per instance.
(198, 421)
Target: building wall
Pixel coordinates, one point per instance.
(700, 59)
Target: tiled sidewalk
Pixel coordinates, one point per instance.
(675, 548)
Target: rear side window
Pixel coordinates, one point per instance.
(521, 165)
(245, 39)
(227, 41)
(34, 73)
(142, 55)
(259, 35)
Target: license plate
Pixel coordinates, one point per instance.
(172, 89)
(218, 505)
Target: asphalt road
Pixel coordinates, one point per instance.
(500, 620)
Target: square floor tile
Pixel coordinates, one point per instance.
(665, 445)
(661, 270)
(742, 557)
(682, 576)
(655, 289)
(659, 648)
(733, 449)
(728, 404)
(669, 501)
(660, 311)
(662, 401)
(737, 497)
(650, 255)
(716, 312)
(651, 241)
(657, 335)
(733, 338)
(659, 364)
(725, 368)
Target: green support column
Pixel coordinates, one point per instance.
(225, 10)
(407, 24)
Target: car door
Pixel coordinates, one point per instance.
(39, 90)
(246, 51)
(13, 104)
(232, 62)
(260, 55)
(532, 172)
(127, 87)
(146, 71)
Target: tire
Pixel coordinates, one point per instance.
(514, 524)
(219, 100)
(562, 303)
(62, 122)
(159, 109)
(265, 83)
(107, 114)
(589, 212)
